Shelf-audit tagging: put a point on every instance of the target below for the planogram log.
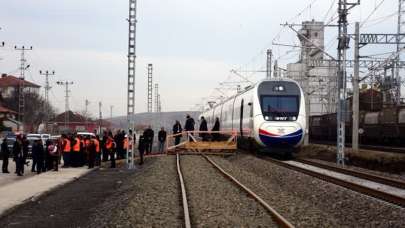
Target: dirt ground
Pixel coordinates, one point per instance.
(72, 205)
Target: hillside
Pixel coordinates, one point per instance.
(156, 120)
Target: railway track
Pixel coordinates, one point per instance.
(399, 150)
(278, 219)
(386, 189)
(367, 176)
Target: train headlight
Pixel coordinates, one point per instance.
(266, 118)
(279, 88)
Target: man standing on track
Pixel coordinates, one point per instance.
(162, 139)
(203, 127)
(189, 126)
(141, 148)
(149, 134)
(177, 131)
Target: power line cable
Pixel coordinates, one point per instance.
(372, 12)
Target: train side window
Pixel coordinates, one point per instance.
(401, 117)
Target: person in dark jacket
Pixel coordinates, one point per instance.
(189, 126)
(38, 153)
(162, 139)
(215, 136)
(103, 148)
(203, 127)
(148, 134)
(25, 144)
(141, 148)
(18, 156)
(5, 154)
(91, 154)
(177, 130)
(48, 157)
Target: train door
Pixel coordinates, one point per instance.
(241, 118)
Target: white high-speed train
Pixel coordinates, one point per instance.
(270, 113)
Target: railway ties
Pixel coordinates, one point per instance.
(220, 197)
(385, 189)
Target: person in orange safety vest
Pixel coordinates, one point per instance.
(110, 147)
(96, 142)
(66, 151)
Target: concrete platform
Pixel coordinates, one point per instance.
(12, 177)
(16, 190)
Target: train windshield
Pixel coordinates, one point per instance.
(280, 108)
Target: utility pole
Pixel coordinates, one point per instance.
(100, 117)
(47, 88)
(159, 104)
(23, 68)
(111, 111)
(67, 91)
(131, 78)
(268, 63)
(86, 104)
(156, 97)
(150, 84)
(355, 84)
(400, 30)
(343, 45)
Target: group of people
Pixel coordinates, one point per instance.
(145, 143)
(189, 126)
(73, 149)
(80, 150)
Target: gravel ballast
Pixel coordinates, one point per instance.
(309, 202)
(215, 202)
(150, 199)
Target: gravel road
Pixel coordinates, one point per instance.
(215, 202)
(309, 202)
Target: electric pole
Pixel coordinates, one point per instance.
(86, 104)
(100, 117)
(343, 45)
(23, 68)
(355, 85)
(111, 111)
(268, 63)
(131, 79)
(47, 88)
(275, 74)
(67, 91)
(400, 31)
(156, 97)
(150, 89)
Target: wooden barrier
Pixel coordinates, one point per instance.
(202, 142)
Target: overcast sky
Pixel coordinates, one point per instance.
(193, 44)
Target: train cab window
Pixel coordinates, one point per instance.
(279, 108)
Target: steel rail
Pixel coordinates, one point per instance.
(363, 175)
(279, 219)
(394, 199)
(187, 222)
(398, 150)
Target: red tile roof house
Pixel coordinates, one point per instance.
(77, 123)
(8, 85)
(8, 119)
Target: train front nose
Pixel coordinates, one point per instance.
(280, 134)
